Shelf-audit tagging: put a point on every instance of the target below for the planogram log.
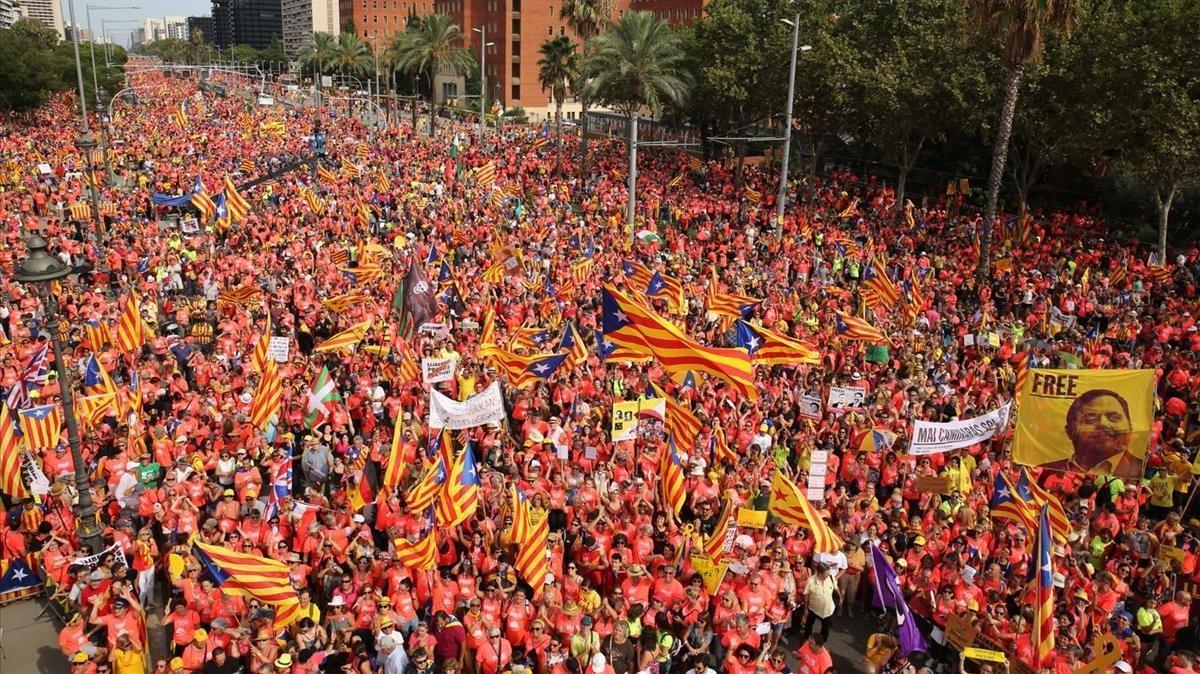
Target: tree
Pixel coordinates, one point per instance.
(426, 47)
(913, 81)
(1022, 26)
(1156, 68)
(557, 68)
(585, 17)
(352, 56)
(318, 55)
(30, 73)
(638, 63)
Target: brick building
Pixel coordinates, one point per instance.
(517, 29)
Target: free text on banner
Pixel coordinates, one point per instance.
(1089, 421)
(485, 407)
(931, 437)
(435, 370)
(631, 418)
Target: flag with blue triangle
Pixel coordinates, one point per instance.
(18, 577)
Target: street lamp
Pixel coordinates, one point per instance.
(43, 269)
(104, 24)
(88, 10)
(781, 201)
(86, 142)
(483, 45)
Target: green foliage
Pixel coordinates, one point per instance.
(586, 17)
(430, 43)
(30, 71)
(558, 66)
(318, 54)
(352, 56)
(638, 63)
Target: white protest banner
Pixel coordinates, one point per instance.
(279, 348)
(434, 370)
(810, 404)
(818, 468)
(92, 561)
(482, 408)
(846, 397)
(930, 437)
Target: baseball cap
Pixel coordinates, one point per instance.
(79, 658)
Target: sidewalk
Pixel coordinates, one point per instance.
(29, 643)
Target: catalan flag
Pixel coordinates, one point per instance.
(420, 555)
(720, 446)
(768, 347)
(540, 142)
(674, 182)
(850, 210)
(1042, 572)
(1020, 365)
(753, 196)
(238, 207)
(109, 209)
(487, 329)
(732, 305)
(248, 575)
(343, 302)
(636, 327)
(681, 423)
(316, 205)
(346, 339)
(789, 504)
(1008, 503)
(244, 296)
(409, 369)
(274, 127)
(423, 494)
(460, 493)
(1159, 274)
(95, 378)
(611, 351)
(581, 269)
(90, 180)
(880, 291)
(93, 408)
(914, 301)
(349, 169)
(258, 357)
(394, 469)
(203, 203)
(180, 117)
(382, 183)
(363, 273)
(1060, 526)
(362, 214)
(41, 427)
(695, 163)
(486, 175)
(716, 542)
(572, 343)
(79, 211)
(131, 330)
(326, 174)
(267, 397)
(856, 329)
(523, 371)
(674, 490)
(10, 456)
(247, 166)
(643, 277)
(531, 530)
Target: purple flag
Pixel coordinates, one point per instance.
(888, 594)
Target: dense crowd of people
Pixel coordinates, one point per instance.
(177, 460)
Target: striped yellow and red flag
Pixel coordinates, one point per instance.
(394, 470)
(673, 182)
(205, 205)
(246, 575)
(422, 495)
(131, 330)
(721, 451)
(487, 330)
(343, 302)
(581, 269)
(259, 355)
(10, 456)
(753, 196)
(420, 555)
(41, 427)
(243, 296)
(486, 175)
(680, 423)
(849, 210)
(346, 339)
(716, 542)
(349, 169)
(674, 489)
(92, 409)
(879, 289)
(362, 214)
(1060, 526)
(238, 207)
(789, 504)
(1042, 576)
(96, 334)
(326, 175)
(267, 397)
(460, 493)
(79, 211)
(767, 347)
(246, 165)
(316, 204)
(630, 324)
(530, 534)
(856, 329)
(640, 276)
(1020, 364)
(409, 370)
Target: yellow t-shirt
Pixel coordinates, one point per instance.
(128, 662)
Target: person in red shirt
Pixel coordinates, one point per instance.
(813, 657)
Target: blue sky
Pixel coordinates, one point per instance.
(148, 9)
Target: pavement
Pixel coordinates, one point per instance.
(29, 643)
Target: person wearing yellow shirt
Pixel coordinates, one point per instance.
(127, 658)
(1162, 494)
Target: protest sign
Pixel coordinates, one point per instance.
(847, 397)
(931, 437)
(486, 407)
(634, 418)
(279, 349)
(435, 370)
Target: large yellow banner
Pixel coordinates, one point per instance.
(1090, 421)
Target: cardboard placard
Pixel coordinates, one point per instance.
(933, 484)
(752, 519)
(960, 633)
(983, 654)
(279, 348)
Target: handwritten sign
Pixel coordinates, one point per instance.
(932, 484)
(960, 633)
(434, 370)
(279, 349)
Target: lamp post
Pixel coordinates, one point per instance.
(86, 142)
(92, 48)
(483, 45)
(781, 201)
(42, 269)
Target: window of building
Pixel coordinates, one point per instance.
(516, 70)
(516, 92)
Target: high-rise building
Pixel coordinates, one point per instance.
(516, 34)
(248, 22)
(201, 24)
(85, 35)
(46, 12)
(10, 13)
(302, 18)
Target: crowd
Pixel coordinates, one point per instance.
(175, 461)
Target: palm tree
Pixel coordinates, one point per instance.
(558, 67)
(317, 54)
(1021, 25)
(352, 56)
(585, 17)
(639, 63)
(427, 45)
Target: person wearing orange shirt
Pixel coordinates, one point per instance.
(813, 657)
(183, 622)
(126, 616)
(494, 654)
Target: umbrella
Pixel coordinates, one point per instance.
(1037, 344)
(874, 440)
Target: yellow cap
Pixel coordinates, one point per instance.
(200, 635)
(176, 664)
(972, 605)
(79, 658)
